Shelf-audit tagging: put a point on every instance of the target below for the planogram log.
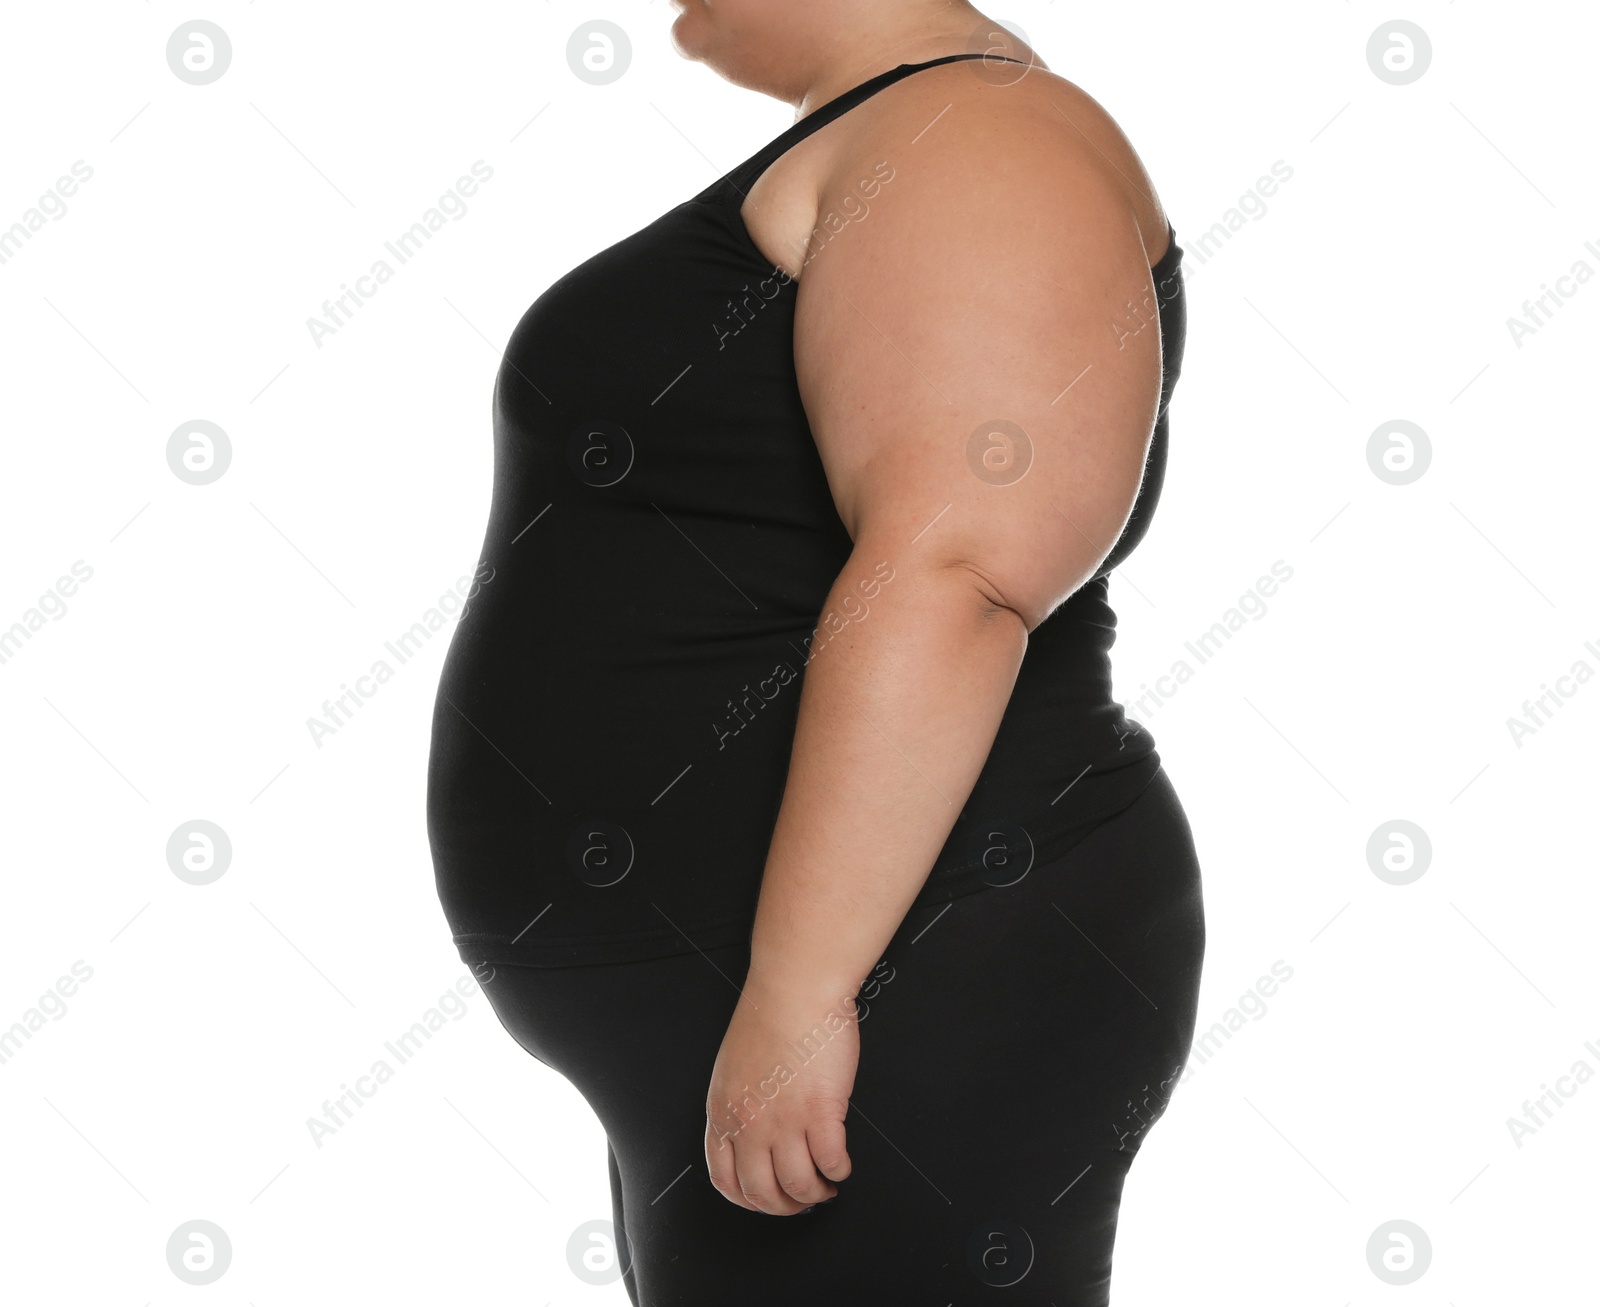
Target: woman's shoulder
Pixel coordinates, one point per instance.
(1010, 123)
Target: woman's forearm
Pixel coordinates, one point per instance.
(902, 698)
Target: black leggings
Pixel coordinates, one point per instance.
(1016, 1045)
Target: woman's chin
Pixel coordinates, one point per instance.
(684, 37)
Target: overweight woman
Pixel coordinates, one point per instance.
(776, 772)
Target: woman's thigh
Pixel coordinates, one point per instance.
(1016, 1046)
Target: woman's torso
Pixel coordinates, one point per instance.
(612, 731)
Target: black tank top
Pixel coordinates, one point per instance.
(615, 713)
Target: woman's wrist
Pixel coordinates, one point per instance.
(777, 981)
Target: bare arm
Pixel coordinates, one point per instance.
(964, 308)
(983, 413)
(897, 715)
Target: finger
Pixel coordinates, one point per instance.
(796, 1172)
(758, 1183)
(724, 1173)
(826, 1141)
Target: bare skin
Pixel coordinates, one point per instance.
(1000, 276)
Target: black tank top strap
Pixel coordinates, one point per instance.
(742, 178)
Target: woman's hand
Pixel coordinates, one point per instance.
(779, 1092)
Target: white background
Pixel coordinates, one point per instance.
(1376, 1084)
